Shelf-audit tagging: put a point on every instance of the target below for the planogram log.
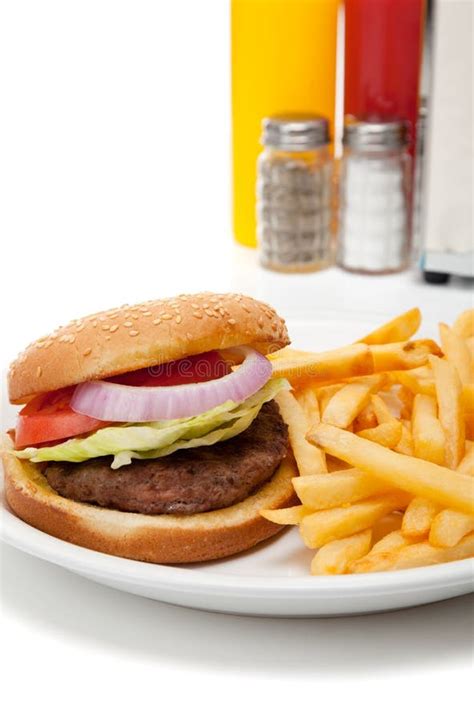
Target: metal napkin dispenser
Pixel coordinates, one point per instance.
(447, 195)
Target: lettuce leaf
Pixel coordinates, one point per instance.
(156, 439)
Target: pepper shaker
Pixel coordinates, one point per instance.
(294, 194)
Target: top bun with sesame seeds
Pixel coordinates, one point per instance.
(138, 336)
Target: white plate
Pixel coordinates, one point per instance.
(272, 579)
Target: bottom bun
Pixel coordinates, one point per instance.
(150, 538)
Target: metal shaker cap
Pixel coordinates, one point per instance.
(295, 132)
(375, 134)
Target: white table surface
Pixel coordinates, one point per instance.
(114, 191)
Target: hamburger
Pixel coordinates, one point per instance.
(152, 431)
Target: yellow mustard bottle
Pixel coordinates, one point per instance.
(283, 61)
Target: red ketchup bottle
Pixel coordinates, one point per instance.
(383, 59)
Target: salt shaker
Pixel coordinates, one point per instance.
(294, 194)
(374, 222)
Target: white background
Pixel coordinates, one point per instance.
(114, 168)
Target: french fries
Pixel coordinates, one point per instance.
(413, 475)
(309, 459)
(326, 525)
(388, 434)
(415, 555)
(418, 380)
(346, 404)
(286, 516)
(320, 492)
(451, 414)
(391, 485)
(335, 557)
(464, 324)
(428, 434)
(457, 353)
(449, 527)
(308, 400)
(404, 355)
(331, 365)
(418, 518)
(397, 330)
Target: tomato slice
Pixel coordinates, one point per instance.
(193, 369)
(48, 418)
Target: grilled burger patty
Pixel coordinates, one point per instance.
(185, 482)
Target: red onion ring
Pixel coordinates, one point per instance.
(127, 403)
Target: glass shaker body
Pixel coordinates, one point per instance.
(374, 214)
(294, 194)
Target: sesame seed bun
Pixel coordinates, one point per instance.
(150, 538)
(138, 336)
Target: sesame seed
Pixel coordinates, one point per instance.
(113, 328)
(260, 322)
(107, 337)
(39, 371)
(72, 339)
(133, 333)
(156, 321)
(197, 315)
(205, 306)
(178, 319)
(195, 306)
(166, 316)
(147, 313)
(209, 313)
(128, 324)
(94, 323)
(105, 327)
(87, 351)
(135, 316)
(231, 321)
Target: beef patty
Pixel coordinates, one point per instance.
(187, 481)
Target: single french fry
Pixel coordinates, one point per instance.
(405, 446)
(415, 555)
(365, 419)
(331, 365)
(286, 516)
(346, 404)
(413, 475)
(457, 353)
(393, 541)
(428, 433)
(468, 398)
(418, 380)
(324, 526)
(335, 557)
(466, 465)
(325, 394)
(308, 400)
(328, 490)
(451, 413)
(309, 459)
(449, 527)
(388, 434)
(404, 355)
(418, 517)
(397, 330)
(464, 324)
(381, 409)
